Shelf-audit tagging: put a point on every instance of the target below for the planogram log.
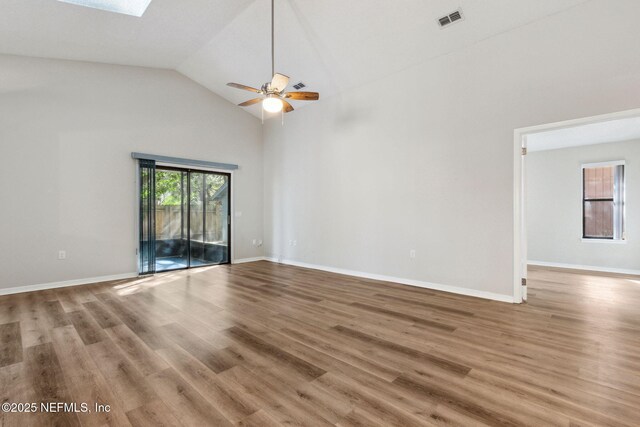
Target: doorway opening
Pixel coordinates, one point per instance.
(571, 194)
(185, 218)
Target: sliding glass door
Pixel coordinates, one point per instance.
(190, 223)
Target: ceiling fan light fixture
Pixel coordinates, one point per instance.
(272, 104)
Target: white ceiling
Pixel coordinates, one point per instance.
(331, 45)
(167, 34)
(595, 133)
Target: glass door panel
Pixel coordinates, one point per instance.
(170, 214)
(216, 225)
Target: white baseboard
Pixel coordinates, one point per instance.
(584, 267)
(243, 260)
(66, 283)
(410, 282)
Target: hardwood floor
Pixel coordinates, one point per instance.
(263, 344)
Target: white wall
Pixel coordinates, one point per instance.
(67, 180)
(554, 207)
(427, 162)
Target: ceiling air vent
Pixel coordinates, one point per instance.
(299, 86)
(450, 18)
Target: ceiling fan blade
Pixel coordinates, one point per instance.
(303, 96)
(279, 82)
(286, 106)
(243, 87)
(251, 102)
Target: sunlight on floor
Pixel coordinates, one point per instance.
(148, 282)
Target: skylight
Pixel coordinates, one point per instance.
(126, 7)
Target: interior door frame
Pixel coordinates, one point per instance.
(231, 222)
(519, 189)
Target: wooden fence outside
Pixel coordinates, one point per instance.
(169, 224)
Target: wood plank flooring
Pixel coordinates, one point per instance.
(263, 344)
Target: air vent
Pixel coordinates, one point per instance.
(450, 18)
(299, 86)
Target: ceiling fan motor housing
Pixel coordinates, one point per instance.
(266, 88)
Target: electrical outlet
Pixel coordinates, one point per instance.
(412, 253)
(295, 243)
(62, 254)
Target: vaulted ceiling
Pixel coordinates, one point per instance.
(330, 45)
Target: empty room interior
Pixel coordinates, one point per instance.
(319, 213)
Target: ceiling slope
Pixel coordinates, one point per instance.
(333, 45)
(164, 37)
(330, 45)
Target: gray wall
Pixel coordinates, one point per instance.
(67, 180)
(554, 207)
(427, 164)
(357, 180)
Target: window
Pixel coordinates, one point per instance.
(127, 7)
(603, 201)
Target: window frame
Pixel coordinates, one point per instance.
(622, 225)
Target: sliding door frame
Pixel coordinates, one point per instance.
(231, 210)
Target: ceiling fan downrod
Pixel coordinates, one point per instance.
(273, 37)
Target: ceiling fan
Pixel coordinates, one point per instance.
(273, 95)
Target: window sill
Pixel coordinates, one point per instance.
(615, 242)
